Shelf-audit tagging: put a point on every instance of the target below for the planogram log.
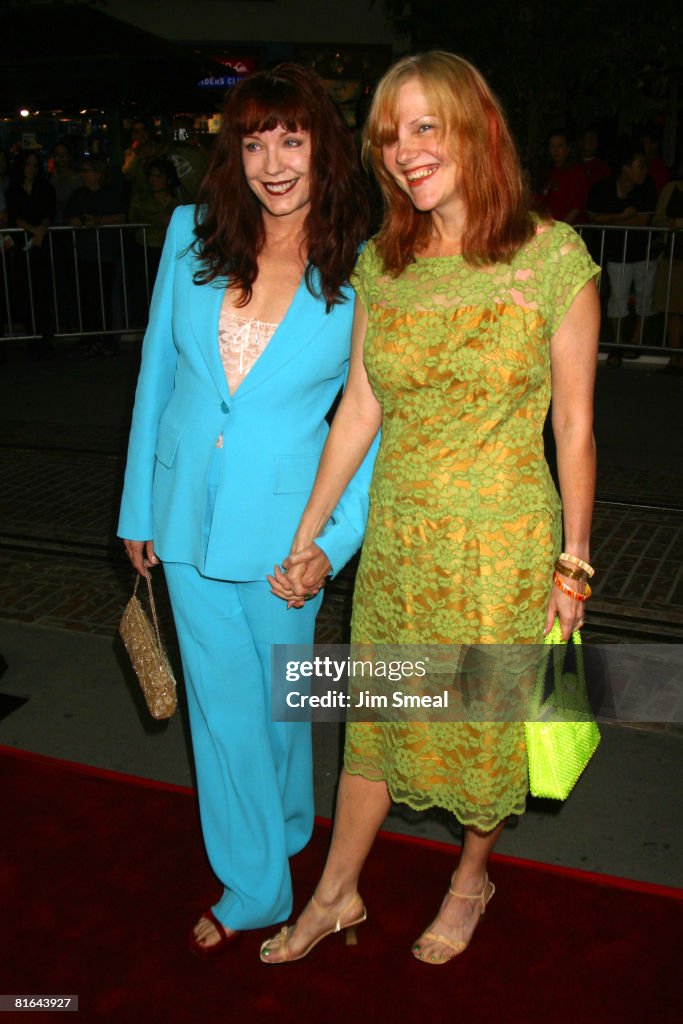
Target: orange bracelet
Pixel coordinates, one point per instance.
(557, 580)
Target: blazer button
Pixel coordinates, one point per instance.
(224, 407)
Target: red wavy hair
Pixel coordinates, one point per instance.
(228, 219)
(498, 219)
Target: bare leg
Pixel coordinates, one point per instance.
(458, 917)
(362, 806)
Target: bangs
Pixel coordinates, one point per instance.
(382, 125)
(270, 108)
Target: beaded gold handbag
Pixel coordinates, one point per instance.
(148, 658)
(562, 736)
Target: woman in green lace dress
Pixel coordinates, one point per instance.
(469, 311)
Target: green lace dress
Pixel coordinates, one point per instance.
(465, 522)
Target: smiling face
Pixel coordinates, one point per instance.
(277, 166)
(419, 160)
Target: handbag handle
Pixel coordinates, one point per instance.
(151, 603)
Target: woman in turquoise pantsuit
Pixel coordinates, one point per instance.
(246, 349)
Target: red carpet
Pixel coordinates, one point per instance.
(103, 874)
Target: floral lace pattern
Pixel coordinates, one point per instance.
(464, 519)
(241, 341)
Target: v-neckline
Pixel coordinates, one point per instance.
(271, 342)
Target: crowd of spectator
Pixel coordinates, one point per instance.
(631, 191)
(578, 185)
(86, 269)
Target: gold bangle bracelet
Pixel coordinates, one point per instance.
(565, 557)
(573, 574)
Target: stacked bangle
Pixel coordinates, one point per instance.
(573, 574)
(574, 594)
(573, 560)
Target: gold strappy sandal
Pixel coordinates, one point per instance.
(459, 946)
(279, 943)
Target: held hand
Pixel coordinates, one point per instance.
(308, 569)
(567, 610)
(282, 585)
(142, 555)
(303, 578)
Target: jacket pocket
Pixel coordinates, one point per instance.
(294, 474)
(167, 445)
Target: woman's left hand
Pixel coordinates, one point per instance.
(569, 611)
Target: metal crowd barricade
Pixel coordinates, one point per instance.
(48, 286)
(37, 289)
(664, 245)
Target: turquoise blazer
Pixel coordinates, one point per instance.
(273, 429)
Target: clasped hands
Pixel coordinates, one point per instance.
(301, 577)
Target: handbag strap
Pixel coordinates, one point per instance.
(554, 653)
(152, 605)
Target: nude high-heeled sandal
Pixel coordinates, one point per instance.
(458, 946)
(279, 943)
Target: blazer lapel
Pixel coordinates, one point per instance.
(301, 323)
(204, 307)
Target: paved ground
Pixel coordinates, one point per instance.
(63, 582)
(63, 430)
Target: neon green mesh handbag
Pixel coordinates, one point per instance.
(562, 735)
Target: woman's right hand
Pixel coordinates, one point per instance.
(303, 576)
(142, 555)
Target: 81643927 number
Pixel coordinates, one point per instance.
(38, 1002)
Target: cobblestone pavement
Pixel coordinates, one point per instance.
(63, 566)
(63, 431)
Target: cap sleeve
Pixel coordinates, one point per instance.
(568, 266)
(364, 274)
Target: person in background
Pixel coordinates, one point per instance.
(656, 168)
(155, 208)
(188, 158)
(64, 179)
(91, 208)
(31, 205)
(595, 169)
(564, 190)
(627, 200)
(143, 146)
(669, 283)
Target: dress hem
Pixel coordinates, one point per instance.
(464, 819)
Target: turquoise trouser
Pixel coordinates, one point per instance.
(254, 775)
